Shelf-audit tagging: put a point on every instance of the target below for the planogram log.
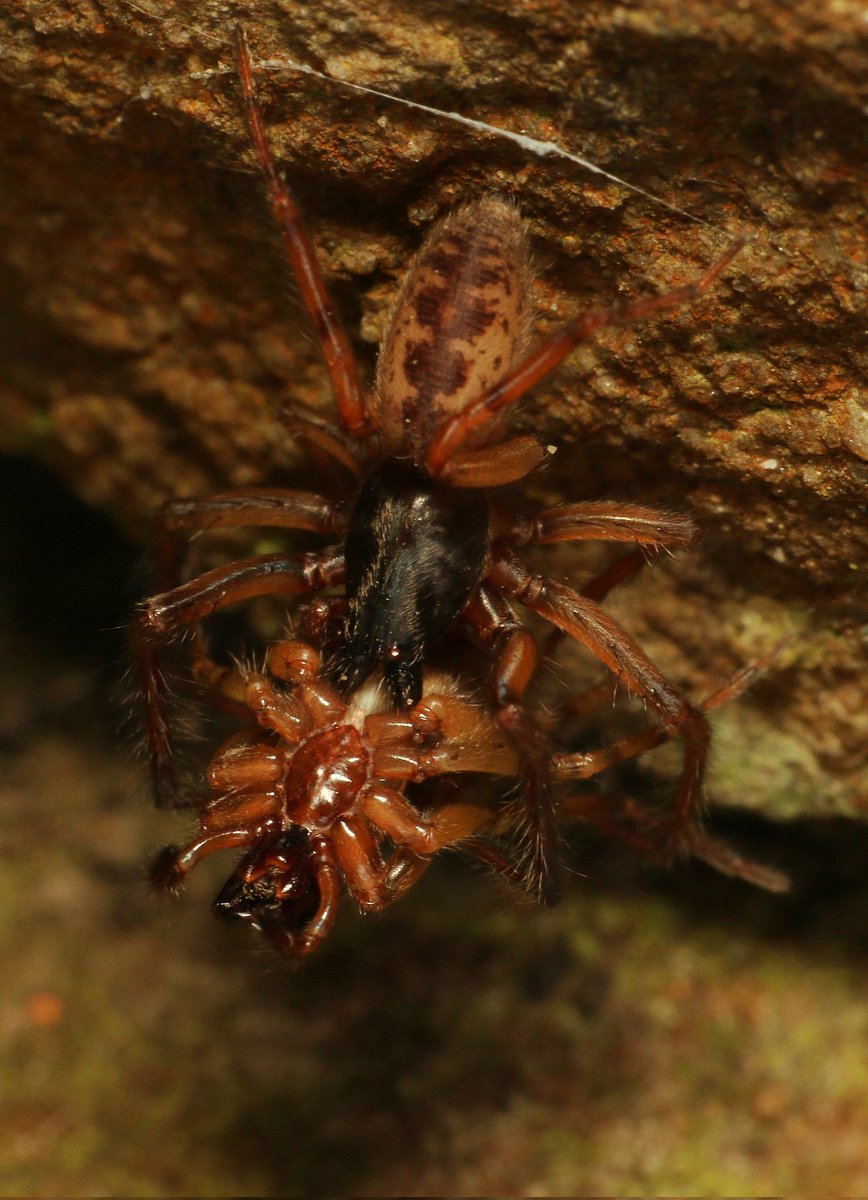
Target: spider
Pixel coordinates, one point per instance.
(427, 543)
(315, 788)
(313, 793)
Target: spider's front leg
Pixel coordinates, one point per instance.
(606, 521)
(167, 614)
(302, 257)
(586, 622)
(516, 655)
(601, 521)
(281, 508)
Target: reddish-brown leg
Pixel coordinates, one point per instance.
(515, 663)
(421, 833)
(277, 507)
(604, 521)
(174, 862)
(178, 519)
(620, 571)
(583, 620)
(327, 442)
(601, 520)
(627, 820)
(225, 690)
(630, 823)
(553, 351)
(167, 614)
(330, 890)
(584, 766)
(299, 250)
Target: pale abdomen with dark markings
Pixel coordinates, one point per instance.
(459, 323)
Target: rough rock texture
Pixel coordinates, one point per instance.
(148, 337)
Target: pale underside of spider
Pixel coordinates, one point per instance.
(318, 791)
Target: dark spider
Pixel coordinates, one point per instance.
(426, 541)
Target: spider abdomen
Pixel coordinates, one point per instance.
(415, 551)
(459, 323)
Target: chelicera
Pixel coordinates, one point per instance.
(427, 544)
(313, 792)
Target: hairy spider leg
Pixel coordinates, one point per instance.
(283, 508)
(302, 258)
(627, 820)
(494, 624)
(586, 622)
(590, 701)
(620, 571)
(541, 361)
(170, 612)
(583, 766)
(177, 519)
(601, 520)
(604, 521)
(328, 443)
(590, 520)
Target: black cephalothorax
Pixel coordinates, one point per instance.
(415, 550)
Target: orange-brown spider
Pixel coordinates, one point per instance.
(315, 791)
(427, 543)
